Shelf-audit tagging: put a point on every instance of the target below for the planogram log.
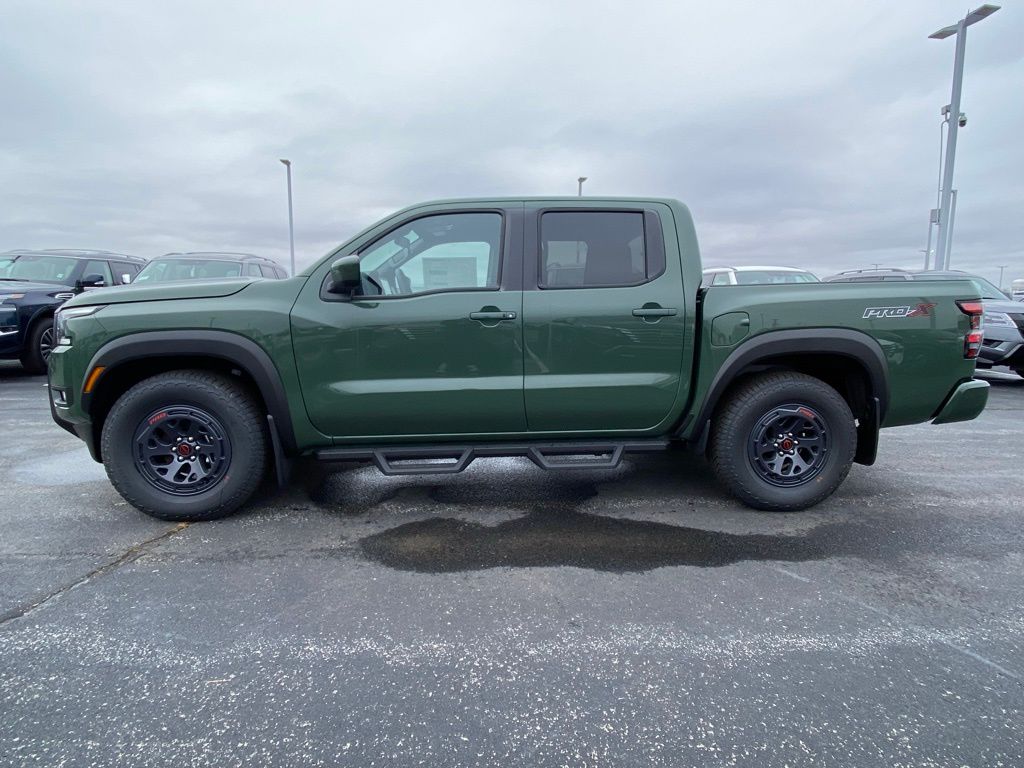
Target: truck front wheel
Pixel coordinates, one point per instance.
(783, 441)
(185, 446)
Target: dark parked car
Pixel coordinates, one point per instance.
(34, 283)
(871, 276)
(896, 275)
(203, 265)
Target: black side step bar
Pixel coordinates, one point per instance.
(449, 459)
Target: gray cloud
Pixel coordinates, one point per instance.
(804, 134)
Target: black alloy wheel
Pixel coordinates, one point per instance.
(782, 440)
(788, 445)
(182, 450)
(46, 343)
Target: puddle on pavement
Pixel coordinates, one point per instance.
(561, 538)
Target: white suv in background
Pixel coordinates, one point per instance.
(755, 276)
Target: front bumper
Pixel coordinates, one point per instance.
(964, 403)
(82, 430)
(64, 377)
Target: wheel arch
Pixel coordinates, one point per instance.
(850, 362)
(130, 359)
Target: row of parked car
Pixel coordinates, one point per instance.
(1003, 343)
(33, 284)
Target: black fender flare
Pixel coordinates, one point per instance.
(807, 341)
(40, 312)
(237, 350)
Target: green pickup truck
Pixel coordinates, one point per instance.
(569, 331)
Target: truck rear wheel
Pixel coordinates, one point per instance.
(185, 446)
(783, 441)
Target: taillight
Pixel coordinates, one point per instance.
(975, 310)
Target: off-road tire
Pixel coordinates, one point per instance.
(32, 359)
(736, 419)
(217, 395)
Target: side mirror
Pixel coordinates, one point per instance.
(125, 278)
(346, 277)
(89, 281)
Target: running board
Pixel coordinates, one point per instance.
(449, 459)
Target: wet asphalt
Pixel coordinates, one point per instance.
(509, 616)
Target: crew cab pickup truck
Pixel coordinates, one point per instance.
(568, 331)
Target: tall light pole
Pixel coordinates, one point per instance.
(1001, 268)
(580, 181)
(953, 111)
(291, 223)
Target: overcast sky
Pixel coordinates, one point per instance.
(801, 133)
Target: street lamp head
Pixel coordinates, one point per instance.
(943, 33)
(286, 162)
(980, 13)
(971, 18)
(581, 179)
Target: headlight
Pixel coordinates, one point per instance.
(64, 315)
(999, 320)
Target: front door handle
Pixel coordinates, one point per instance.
(654, 312)
(492, 316)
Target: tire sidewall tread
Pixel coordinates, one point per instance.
(746, 404)
(224, 399)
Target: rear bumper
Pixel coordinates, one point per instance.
(964, 403)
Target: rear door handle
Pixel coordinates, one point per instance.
(653, 312)
(492, 316)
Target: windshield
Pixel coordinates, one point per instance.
(762, 276)
(165, 270)
(44, 269)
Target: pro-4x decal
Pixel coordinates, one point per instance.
(875, 313)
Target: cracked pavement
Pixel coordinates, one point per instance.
(508, 616)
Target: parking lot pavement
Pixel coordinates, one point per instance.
(508, 616)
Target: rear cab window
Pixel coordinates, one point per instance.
(598, 249)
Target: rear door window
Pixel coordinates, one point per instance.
(593, 249)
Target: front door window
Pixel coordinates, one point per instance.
(447, 252)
